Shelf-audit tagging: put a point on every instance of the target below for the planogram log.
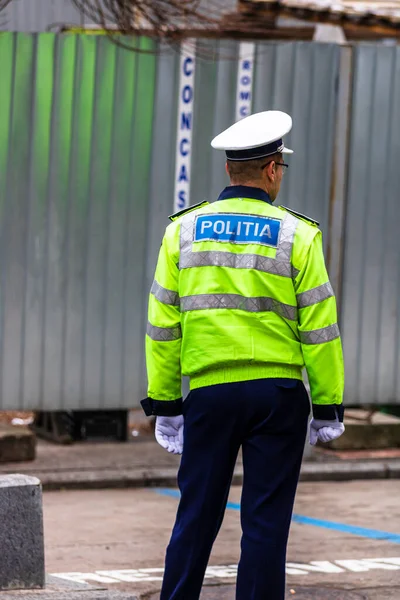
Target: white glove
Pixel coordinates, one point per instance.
(325, 431)
(169, 433)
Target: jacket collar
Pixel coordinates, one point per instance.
(244, 191)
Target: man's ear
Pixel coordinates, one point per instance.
(227, 168)
(271, 170)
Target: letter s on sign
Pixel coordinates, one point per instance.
(182, 199)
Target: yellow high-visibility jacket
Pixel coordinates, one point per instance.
(241, 292)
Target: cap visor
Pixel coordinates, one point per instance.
(287, 151)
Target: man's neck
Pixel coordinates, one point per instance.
(257, 184)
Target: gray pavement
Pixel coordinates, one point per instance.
(106, 542)
(344, 542)
(142, 462)
(110, 544)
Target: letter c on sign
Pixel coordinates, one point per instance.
(181, 148)
(186, 66)
(244, 111)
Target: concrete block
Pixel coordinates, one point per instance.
(16, 443)
(21, 533)
(377, 432)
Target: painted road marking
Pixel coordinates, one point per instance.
(373, 534)
(230, 571)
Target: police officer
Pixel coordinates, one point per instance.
(240, 303)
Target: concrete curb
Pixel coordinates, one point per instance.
(348, 470)
(166, 477)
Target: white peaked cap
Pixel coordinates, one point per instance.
(255, 136)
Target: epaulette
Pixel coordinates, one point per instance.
(187, 210)
(301, 216)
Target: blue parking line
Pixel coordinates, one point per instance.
(372, 534)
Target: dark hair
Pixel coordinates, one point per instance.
(249, 170)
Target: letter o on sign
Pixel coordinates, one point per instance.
(219, 226)
(187, 94)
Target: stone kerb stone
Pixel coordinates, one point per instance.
(21, 533)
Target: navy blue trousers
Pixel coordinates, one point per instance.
(268, 418)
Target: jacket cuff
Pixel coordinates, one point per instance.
(162, 408)
(328, 412)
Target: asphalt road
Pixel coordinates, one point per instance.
(344, 542)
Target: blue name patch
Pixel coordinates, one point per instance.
(237, 229)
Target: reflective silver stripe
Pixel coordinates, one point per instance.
(186, 236)
(163, 334)
(317, 294)
(320, 336)
(217, 258)
(235, 301)
(163, 295)
(286, 237)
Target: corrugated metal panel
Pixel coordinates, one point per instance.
(90, 164)
(38, 15)
(371, 283)
(75, 145)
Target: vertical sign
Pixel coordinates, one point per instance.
(185, 126)
(245, 80)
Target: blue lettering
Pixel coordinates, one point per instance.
(245, 80)
(183, 175)
(181, 148)
(246, 65)
(186, 121)
(187, 94)
(245, 95)
(188, 61)
(182, 199)
(244, 111)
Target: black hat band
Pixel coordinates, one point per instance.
(253, 153)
